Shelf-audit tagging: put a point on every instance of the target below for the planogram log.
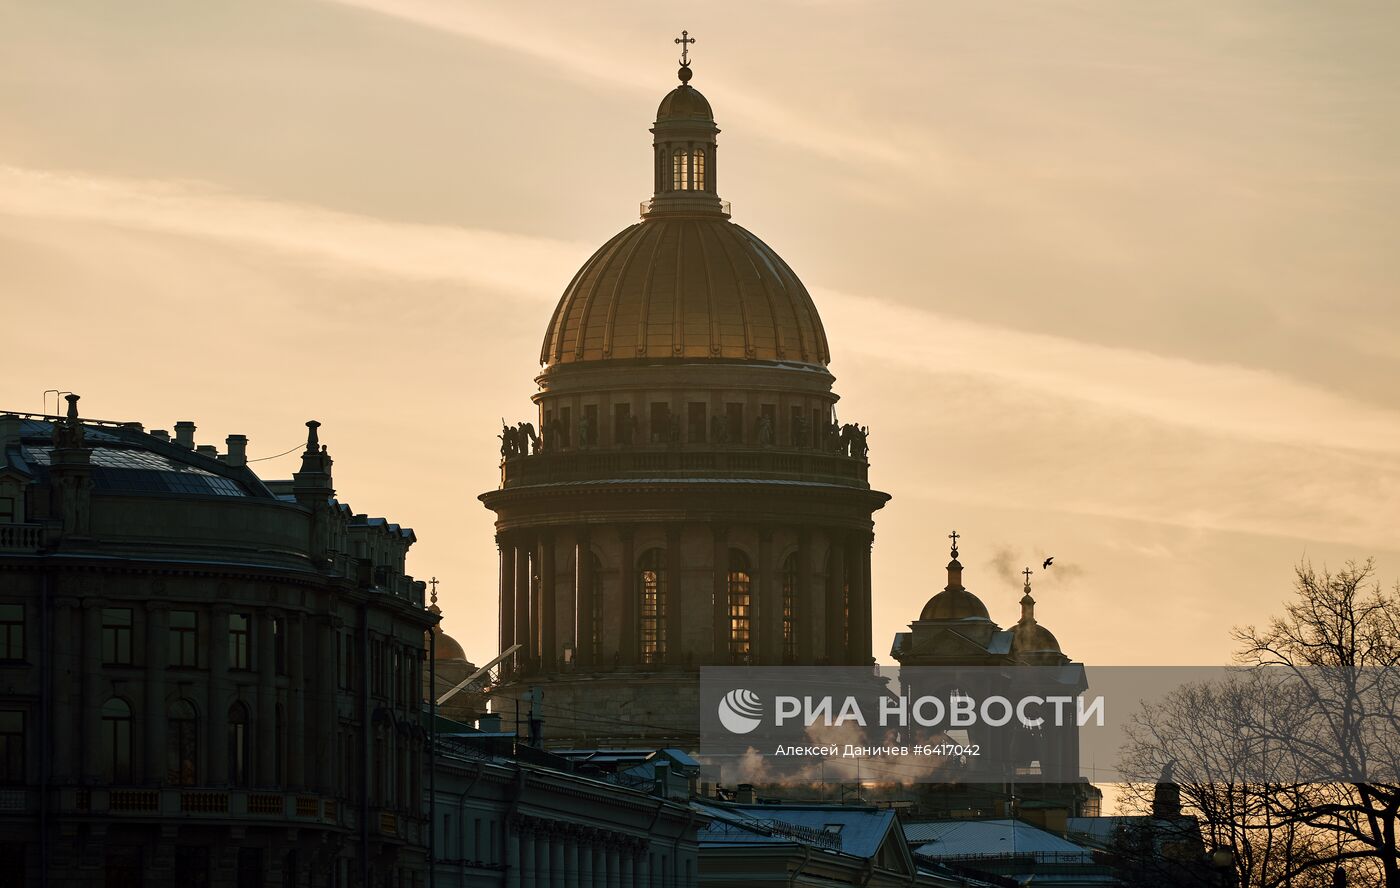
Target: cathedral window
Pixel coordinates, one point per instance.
(182, 744)
(680, 170)
(11, 747)
(11, 632)
(651, 582)
(790, 609)
(183, 648)
(238, 745)
(699, 169)
(740, 606)
(238, 631)
(116, 636)
(116, 740)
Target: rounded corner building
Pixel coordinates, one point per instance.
(685, 495)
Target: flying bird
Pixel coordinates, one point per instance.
(1048, 562)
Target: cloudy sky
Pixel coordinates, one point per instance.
(1113, 281)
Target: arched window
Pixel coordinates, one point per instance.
(116, 740)
(181, 744)
(740, 606)
(790, 609)
(651, 590)
(680, 170)
(699, 164)
(238, 745)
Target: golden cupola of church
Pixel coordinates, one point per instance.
(684, 494)
(685, 282)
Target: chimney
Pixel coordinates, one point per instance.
(160, 434)
(746, 794)
(237, 450)
(489, 723)
(663, 779)
(184, 434)
(208, 450)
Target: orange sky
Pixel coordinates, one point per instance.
(1111, 281)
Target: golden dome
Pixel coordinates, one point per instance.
(955, 602)
(685, 287)
(446, 647)
(684, 103)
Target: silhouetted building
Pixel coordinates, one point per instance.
(206, 679)
(1034, 771)
(689, 497)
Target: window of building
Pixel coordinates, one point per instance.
(740, 606)
(181, 744)
(116, 740)
(238, 745)
(695, 422)
(651, 583)
(624, 424)
(588, 431)
(790, 609)
(660, 426)
(279, 745)
(7, 510)
(734, 422)
(11, 632)
(11, 746)
(184, 647)
(680, 170)
(238, 634)
(699, 169)
(279, 645)
(116, 636)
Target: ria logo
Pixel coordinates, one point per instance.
(740, 711)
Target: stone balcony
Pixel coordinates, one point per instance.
(683, 462)
(205, 803)
(21, 537)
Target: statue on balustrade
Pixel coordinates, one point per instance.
(719, 429)
(763, 432)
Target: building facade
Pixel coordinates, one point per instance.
(206, 679)
(684, 494)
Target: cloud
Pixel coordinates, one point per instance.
(335, 242)
(574, 56)
(1219, 399)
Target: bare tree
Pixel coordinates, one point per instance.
(1338, 646)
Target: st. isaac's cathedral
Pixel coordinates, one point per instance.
(685, 494)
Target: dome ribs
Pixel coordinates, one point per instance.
(585, 334)
(759, 247)
(565, 313)
(740, 293)
(807, 308)
(633, 243)
(685, 287)
(712, 312)
(644, 308)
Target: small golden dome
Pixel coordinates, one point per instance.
(685, 287)
(954, 604)
(447, 648)
(684, 103)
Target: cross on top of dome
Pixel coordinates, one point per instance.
(685, 40)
